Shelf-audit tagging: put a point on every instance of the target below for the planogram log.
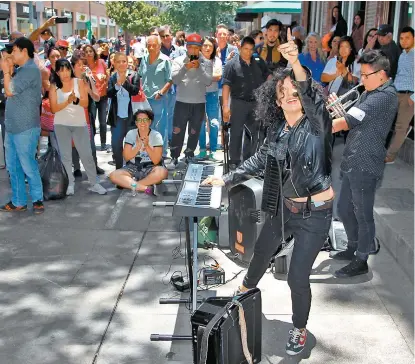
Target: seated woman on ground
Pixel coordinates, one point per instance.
(143, 152)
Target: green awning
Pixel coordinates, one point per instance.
(284, 7)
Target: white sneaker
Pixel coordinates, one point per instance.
(97, 188)
(172, 165)
(70, 191)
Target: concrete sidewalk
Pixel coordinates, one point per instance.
(81, 283)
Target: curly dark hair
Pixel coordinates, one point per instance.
(267, 111)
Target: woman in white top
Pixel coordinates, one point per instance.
(68, 100)
(342, 72)
(209, 51)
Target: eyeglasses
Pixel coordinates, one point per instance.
(142, 121)
(366, 75)
(63, 49)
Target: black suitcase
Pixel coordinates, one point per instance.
(215, 324)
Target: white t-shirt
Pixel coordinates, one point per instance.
(154, 140)
(139, 50)
(331, 69)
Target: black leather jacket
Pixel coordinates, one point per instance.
(309, 148)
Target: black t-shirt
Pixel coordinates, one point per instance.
(243, 79)
(48, 44)
(269, 54)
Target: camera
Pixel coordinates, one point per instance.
(61, 19)
(193, 58)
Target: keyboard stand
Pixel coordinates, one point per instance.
(192, 263)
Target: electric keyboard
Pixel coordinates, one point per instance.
(195, 200)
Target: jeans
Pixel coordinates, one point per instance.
(21, 150)
(159, 123)
(212, 111)
(100, 107)
(184, 113)
(171, 101)
(309, 236)
(3, 130)
(80, 136)
(118, 133)
(355, 209)
(75, 154)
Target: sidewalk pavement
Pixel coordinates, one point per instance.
(80, 284)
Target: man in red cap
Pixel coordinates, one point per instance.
(191, 73)
(63, 46)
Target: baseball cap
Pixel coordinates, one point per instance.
(62, 43)
(194, 39)
(384, 29)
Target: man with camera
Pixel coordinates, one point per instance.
(191, 73)
(22, 88)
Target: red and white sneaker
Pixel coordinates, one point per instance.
(296, 341)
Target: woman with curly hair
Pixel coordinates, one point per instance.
(297, 150)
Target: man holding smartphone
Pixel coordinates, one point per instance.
(191, 74)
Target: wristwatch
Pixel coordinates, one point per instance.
(159, 93)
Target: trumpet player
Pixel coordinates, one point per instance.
(362, 165)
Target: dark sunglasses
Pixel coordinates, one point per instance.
(63, 48)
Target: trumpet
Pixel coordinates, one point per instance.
(338, 108)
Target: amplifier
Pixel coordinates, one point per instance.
(223, 339)
(245, 218)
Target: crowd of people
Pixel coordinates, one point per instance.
(270, 87)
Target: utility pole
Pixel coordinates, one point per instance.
(31, 18)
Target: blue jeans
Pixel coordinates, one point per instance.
(20, 159)
(212, 111)
(171, 101)
(159, 123)
(355, 209)
(118, 133)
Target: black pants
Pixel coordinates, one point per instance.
(355, 209)
(242, 113)
(100, 107)
(309, 234)
(184, 113)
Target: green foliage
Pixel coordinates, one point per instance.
(200, 15)
(135, 17)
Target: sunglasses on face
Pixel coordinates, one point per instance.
(63, 49)
(142, 121)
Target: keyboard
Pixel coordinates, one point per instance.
(195, 200)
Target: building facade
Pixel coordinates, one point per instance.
(316, 15)
(14, 16)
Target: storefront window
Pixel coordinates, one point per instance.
(23, 26)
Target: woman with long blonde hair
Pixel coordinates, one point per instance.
(313, 56)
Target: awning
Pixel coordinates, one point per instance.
(284, 7)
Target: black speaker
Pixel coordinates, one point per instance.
(221, 318)
(245, 218)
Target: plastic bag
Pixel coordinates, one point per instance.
(54, 177)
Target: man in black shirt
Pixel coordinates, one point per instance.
(242, 75)
(389, 47)
(362, 165)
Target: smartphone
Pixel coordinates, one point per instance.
(61, 19)
(193, 58)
